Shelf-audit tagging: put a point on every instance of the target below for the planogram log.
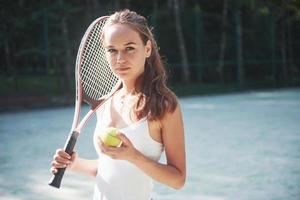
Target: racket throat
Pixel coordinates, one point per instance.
(92, 102)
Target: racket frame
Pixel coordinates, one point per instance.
(77, 126)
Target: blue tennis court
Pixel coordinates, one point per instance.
(240, 146)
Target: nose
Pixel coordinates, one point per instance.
(120, 57)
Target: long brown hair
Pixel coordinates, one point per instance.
(155, 97)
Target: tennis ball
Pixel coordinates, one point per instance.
(109, 137)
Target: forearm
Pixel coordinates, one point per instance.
(163, 173)
(85, 166)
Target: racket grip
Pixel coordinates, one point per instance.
(56, 179)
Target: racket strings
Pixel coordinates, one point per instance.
(96, 75)
(101, 72)
(91, 87)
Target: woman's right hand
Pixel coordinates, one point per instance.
(61, 159)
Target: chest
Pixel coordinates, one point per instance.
(113, 114)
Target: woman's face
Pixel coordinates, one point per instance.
(125, 51)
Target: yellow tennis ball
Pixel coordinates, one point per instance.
(109, 137)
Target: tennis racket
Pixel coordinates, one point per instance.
(95, 82)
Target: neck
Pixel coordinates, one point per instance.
(128, 88)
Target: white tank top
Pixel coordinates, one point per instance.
(119, 179)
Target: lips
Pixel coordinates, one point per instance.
(122, 69)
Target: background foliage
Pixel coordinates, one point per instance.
(207, 45)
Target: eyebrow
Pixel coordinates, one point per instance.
(129, 43)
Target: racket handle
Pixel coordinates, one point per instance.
(55, 181)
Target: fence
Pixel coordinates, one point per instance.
(240, 49)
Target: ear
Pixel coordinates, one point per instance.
(148, 48)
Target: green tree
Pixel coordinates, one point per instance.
(181, 43)
(224, 27)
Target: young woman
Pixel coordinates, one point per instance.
(144, 110)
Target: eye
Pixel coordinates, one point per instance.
(111, 50)
(129, 48)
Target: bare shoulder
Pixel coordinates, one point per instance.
(172, 128)
(163, 130)
(172, 116)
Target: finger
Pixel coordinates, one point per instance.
(61, 160)
(102, 148)
(124, 139)
(106, 149)
(58, 165)
(63, 154)
(53, 170)
(109, 151)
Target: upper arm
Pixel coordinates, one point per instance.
(173, 139)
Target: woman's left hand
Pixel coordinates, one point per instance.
(125, 151)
